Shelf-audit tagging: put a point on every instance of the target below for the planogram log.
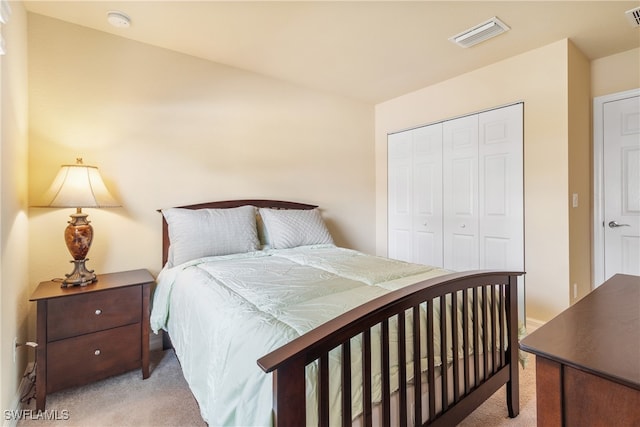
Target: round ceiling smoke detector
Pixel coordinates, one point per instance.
(118, 19)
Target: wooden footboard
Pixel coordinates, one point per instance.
(472, 315)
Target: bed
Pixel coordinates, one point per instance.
(275, 325)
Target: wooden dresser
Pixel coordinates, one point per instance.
(87, 333)
(588, 359)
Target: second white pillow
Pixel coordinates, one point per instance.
(290, 228)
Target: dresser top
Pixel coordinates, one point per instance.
(52, 289)
(599, 334)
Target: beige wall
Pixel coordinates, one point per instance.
(580, 171)
(539, 78)
(14, 281)
(615, 73)
(167, 129)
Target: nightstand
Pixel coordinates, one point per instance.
(88, 333)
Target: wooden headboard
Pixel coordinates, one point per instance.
(273, 204)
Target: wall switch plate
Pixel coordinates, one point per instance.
(575, 200)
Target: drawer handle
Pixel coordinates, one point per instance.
(98, 312)
(97, 352)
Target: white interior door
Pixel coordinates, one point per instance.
(621, 186)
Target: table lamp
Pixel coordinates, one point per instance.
(79, 186)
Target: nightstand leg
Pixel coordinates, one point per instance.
(41, 356)
(146, 294)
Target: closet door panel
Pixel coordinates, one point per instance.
(463, 184)
(460, 193)
(501, 187)
(495, 253)
(464, 252)
(400, 193)
(427, 195)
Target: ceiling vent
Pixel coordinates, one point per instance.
(480, 33)
(633, 16)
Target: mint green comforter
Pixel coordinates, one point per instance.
(223, 313)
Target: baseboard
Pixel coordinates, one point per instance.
(533, 324)
(11, 416)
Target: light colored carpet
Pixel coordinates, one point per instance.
(493, 412)
(164, 399)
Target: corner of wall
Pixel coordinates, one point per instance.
(580, 159)
(14, 308)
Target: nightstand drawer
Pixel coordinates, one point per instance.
(97, 311)
(88, 358)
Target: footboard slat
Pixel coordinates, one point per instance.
(476, 338)
(346, 384)
(366, 378)
(502, 325)
(465, 340)
(477, 335)
(494, 332)
(455, 344)
(323, 390)
(430, 361)
(444, 372)
(386, 375)
(417, 378)
(486, 350)
(402, 368)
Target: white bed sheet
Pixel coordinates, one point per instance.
(224, 313)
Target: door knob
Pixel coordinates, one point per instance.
(613, 224)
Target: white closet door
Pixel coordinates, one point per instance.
(400, 193)
(427, 195)
(501, 189)
(455, 192)
(415, 195)
(460, 198)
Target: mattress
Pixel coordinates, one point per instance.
(225, 312)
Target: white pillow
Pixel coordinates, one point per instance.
(289, 228)
(209, 232)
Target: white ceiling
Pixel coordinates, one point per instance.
(368, 50)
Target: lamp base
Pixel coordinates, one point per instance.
(80, 276)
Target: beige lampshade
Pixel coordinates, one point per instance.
(79, 186)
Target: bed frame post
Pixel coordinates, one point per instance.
(513, 385)
(289, 403)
